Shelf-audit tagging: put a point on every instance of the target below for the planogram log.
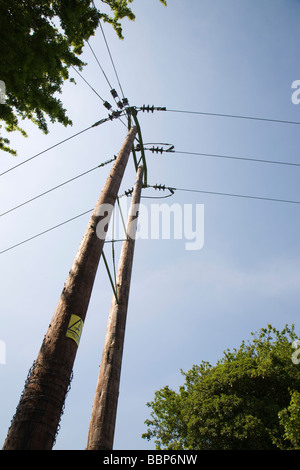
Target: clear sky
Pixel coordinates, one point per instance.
(215, 56)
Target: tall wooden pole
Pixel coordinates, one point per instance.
(35, 423)
(102, 424)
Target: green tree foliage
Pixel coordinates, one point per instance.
(40, 41)
(290, 420)
(249, 400)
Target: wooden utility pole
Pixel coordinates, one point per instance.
(37, 417)
(102, 424)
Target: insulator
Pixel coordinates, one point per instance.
(107, 105)
(157, 150)
(147, 108)
(125, 102)
(160, 187)
(129, 192)
(114, 114)
(114, 93)
(152, 108)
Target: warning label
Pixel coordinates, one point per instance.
(75, 328)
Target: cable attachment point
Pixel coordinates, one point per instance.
(163, 188)
(152, 108)
(116, 97)
(160, 187)
(138, 148)
(114, 115)
(157, 149)
(102, 121)
(129, 192)
(107, 105)
(107, 161)
(114, 93)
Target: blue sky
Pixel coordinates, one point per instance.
(226, 57)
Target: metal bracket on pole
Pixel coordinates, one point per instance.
(110, 277)
(133, 112)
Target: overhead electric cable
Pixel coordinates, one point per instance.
(97, 60)
(53, 228)
(120, 104)
(277, 162)
(56, 187)
(234, 195)
(110, 118)
(46, 150)
(112, 61)
(105, 103)
(171, 188)
(45, 231)
(88, 84)
(94, 91)
(233, 116)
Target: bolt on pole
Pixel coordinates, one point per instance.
(35, 424)
(102, 424)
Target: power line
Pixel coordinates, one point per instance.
(113, 92)
(44, 151)
(88, 84)
(111, 117)
(56, 187)
(277, 162)
(92, 50)
(45, 231)
(112, 61)
(233, 116)
(97, 60)
(171, 188)
(234, 195)
(105, 103)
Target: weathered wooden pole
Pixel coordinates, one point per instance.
(102, 424)
(37, 417)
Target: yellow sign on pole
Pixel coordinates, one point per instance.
(75, 328)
